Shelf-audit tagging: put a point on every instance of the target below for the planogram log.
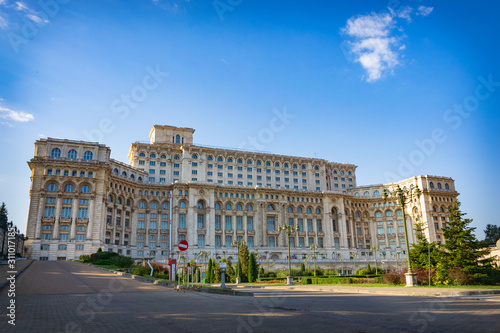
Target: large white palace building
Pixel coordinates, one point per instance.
(81, 200)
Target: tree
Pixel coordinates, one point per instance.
(3, 216)
(243, 256)
(230, 274)
(302, 268)
(462, 258)
(253, 269)
(209, 273)
(419, 252)
(492, 233)
(198, 278)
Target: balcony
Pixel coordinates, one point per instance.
(273, 232)
(48, 219)
(240, 232)
(311, 233)
(65, 219)
(141, 231)
(201, 231)
(152, 231)
(218, 231)
(251, 232)
(302, 233)
(109, 226)
(182, 230)
(229, 231)
(119, 228)
(321, 234)
(164, 231)
(82, 220)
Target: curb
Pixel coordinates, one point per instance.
(3, 284)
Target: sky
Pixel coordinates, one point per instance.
(398, 88)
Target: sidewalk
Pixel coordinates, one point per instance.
(21, 265)
(402, 291)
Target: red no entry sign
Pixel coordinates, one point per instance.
(183, 245)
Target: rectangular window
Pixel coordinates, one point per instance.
(217, 241)
(80, 237)
(140, 224)
(45, 247)
(336, 242)
(201, 240)
(152, 245)
(142, 162)
(182, 221)
(319, 226)
(310, 241)
(272, 241)
(164, 245)
(201, 221)
(229, 240)
(249, 222)
(380, 231)
(49, 211)
(309, 225)
(300, 223)
(390, 230)
(217, 222)
(152, 225)
(140, 245)
(292, 241)
(82, 212)
(62, 247)
(250, 241)
(79, 247)
(271, 223)
(239, 222)
(301, 242)
(164, 225)
(401, 229)
(229, 222)
(47, 236)
(80, 228)
(320, 242)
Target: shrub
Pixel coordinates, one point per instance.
(85, 258)
(308, 280)
(393, 278)
(142, 271)
(459, 277)
(99, 250)
(122, 262)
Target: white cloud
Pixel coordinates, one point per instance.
(36, 19)
(3, 23)
(424, 11)
(18, 116)
(375, 42)
(5, 123)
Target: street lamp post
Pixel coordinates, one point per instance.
(289, 230)
(314, 247)
(237, 244)
(375, 248)
(205, 255)
(354, 255)
(404, 196)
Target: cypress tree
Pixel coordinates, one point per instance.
(208, 274)
(252, 268)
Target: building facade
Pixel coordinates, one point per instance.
(81, 200)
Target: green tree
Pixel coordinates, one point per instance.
(492, 233)
(302, 268)
(462, 255)
(243, 256)
(198, 278)
(4, 216)
(99, 250)
(209, 272)
(253, 269)
(230, 274)
(420, 250)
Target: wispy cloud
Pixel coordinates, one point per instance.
(16, 116)
(29, 13)
(424, 11)
(376, 39)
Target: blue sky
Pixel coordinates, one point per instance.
(364, 82)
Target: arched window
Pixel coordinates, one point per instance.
(72, 153)
(124, 174)
(442, 210)
(194, 156)
(434, 209)
(249, 162)
(431, 185)
(68, 188)
(88, 155)
(153, 155)
(439, 186)
(154, 205)
(299, 210)
(165, 205)
(219, 159)
(388, 213)
(239, 207)
(356, 194)
(285, 165)
(139, 179)
(376, 193)
(378, 214)
(446, 186)
(177, 138)
(230, 160)
(201, 205)
(259, 162)
(163, 156)
(309, 210)
(128, 202)
(119, 201)
(270, 207)
(176, 157)
(366, 194)
(142, 154)
(228, 206)
(110, 198)
(334, 211)
(357, 214)
(85, 189)
(290, 209)
(52, 187)
(399, 212)
(249, 208)
(240, 160)
(142, 204)
(56, 152)
(115, 171)
(217, 205)
(132, 177)
(277, 165)
(182, 204)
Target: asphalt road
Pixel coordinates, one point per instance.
(73, 297)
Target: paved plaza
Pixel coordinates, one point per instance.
(61, 296)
